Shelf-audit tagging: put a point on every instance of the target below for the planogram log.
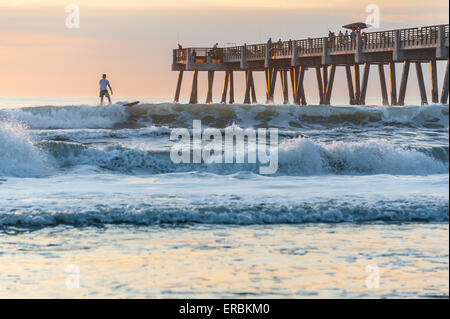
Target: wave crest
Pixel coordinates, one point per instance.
(220, 116)
(330, 211)
(299, 156)
(18, 156)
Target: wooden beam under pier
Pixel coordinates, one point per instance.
(393, 83)
(273, 82)
(284, 85)
(421, 82)
(444, 93)
(231, 80)
(383, 87)
(294, 73)
(225, 87)
(330, 84)
(403, 83)
(268, 78)
(210, 87)
(178, 89)
(300, 90)
(357, 83)
(324, 82)
(434, 82)
(252, 88)
(247, 87)
(362, 98)
(194, 89)
(301, 86)
(351, 91)
(320, 85)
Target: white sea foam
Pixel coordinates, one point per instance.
(18, 155)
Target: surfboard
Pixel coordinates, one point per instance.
(132, 103)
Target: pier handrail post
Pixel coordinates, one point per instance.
(294, 60)
(396, 54)
(441, 49)
(358, 53)
(189, 62)
(268, 57)
(325, 54)
(244, 57)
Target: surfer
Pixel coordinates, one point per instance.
(104, 85)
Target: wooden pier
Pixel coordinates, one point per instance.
(291, 59)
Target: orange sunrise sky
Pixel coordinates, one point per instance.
(131, 40)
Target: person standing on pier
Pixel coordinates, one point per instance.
(269, 45)
(104, 85)
(280, 46)
(214, 50)
(341, 38)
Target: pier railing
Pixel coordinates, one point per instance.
(310, 46)
(256, 52)
(339, 44)
(378, 40)
(232, 54)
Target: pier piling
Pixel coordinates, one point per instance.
(330, 84)
(383, 87)
(293, 72)
(362, 98)
(403, 83)
(421, 82)
(357, 83)
(252, 88)
(194, 89)
(300, 98)
(247, 87)
(268, 78)
(178, 90)
(231, 87)
(225, 87)
(324, 83)
(284, 85)
(444, 93)
(273, 82)
(393, 83)
(319, 85)
(210, 87)
(351, 90)
(434, 82)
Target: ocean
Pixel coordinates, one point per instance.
(92, 206)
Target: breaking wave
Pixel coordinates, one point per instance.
(220, 116)
(18, 155)
(298, 156)
(329, 211)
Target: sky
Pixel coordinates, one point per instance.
(132, 40)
